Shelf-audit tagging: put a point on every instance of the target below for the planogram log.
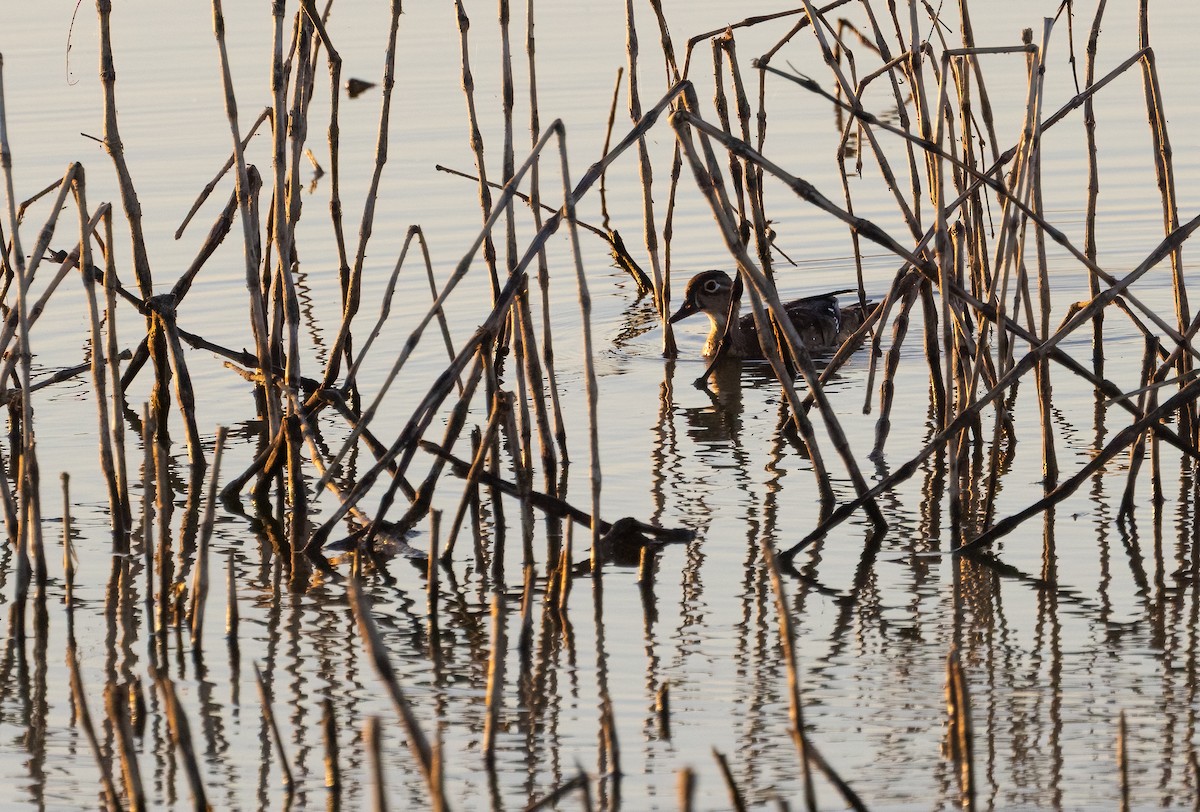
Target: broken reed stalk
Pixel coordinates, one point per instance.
(333, 770)
(200, 581)
(116, 705)
(373, 739)
(543, 275)
(377, 652)
(1122, 763)
(353, 286)
(264, 696)
(250, 233)
(961, 734)
(551, 799)
(79, 699)
(475, 141)
(224, 170)
(686, 786)
(662, 283)
(181, 736)
(148, 489)
(1089, 233)
(494, 693)
(736, 801)
(69, 559)
(809, 755)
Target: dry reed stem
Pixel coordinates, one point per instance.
(373, 740)
(550, 799)
(475, 141)
(181, 735)
(494, 692)
(1122, 440)
(376, 651)
(334, 137)
(118, 510)
(686, 789)
(1027, 362)
(807, 752)
(148, 432)
(200, 582)
(211, 186)
(736, 801)
(285, 199)
(662, 283)
(1122, 763)
(333, 770)
(353, 293)
(264, 697)
(116, 150)
(117, 708)
(958, 707)
(543, 268)
(250, 233)
(164, 313)
(507, 158)
(1089, 232)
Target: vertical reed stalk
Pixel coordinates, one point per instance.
(264, 696)
(181, 736)
(1122, 763)
(333, 770)
(250, 234)
(373, 739)
(662, 284)
(200, 582)
(495, 680)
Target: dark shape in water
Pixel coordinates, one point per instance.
(355, 87)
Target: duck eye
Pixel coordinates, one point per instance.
(712, 286)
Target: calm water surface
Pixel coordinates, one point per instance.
(1049, 667)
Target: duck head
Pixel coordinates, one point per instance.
(708, 293)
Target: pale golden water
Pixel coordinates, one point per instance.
(1085, 619)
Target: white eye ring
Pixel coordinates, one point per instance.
(712, 286)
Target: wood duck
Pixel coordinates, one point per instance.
(823, 325)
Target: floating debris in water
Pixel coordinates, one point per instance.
(356, 87)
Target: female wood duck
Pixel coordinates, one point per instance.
(822, 324)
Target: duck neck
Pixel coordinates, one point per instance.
(737, 341)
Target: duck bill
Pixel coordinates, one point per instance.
(686, 309)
